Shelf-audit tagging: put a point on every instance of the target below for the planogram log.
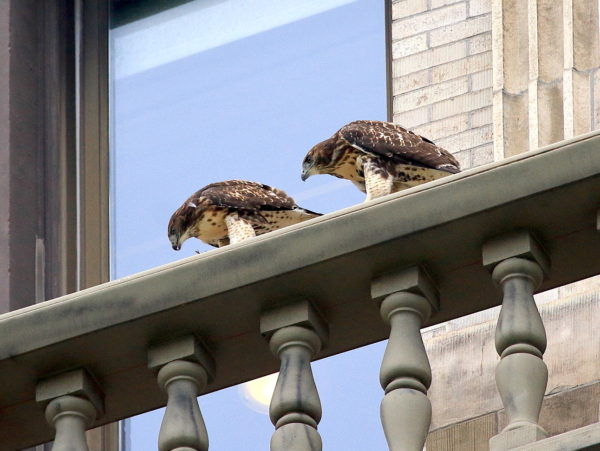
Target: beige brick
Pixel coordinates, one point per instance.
(428, 58)
(464, 158)
(411, 82)
(477, 7)
(411, 119)
(480, 43)
(444, 128)
(462, 67)
(460, 30)
(440, 3)
(481, 117)
(431, 94)
(482, 80)
(409, 46)
(404, 8)
(482, 155)
(467, 140)
(429, 20)
(462, 104)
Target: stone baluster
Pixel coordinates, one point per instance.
(295, 333)
(184, 369)
(406, 299)
(72, 401)
(518, 263)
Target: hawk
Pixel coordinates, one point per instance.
(379, 158)
(227, 212)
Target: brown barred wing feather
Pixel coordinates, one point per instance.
(391, 141)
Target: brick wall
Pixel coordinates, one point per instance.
(442, 74)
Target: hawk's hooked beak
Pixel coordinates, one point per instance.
(306, 171)
(175, 241)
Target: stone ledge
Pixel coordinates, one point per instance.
(331, 260)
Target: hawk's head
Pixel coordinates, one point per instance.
(178, 229)
(319, 159)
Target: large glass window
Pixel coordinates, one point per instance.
(211, 90)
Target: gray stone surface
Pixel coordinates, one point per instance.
(331, 260)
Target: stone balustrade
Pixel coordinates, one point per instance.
(519, 263)
(406, 299)
(307, 292)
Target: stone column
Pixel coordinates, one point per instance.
(184, 368)
(519, 262)
(406, 299)
(548, 76)
(72, 401)
(510, 50)
(296, 333)
(582, 60)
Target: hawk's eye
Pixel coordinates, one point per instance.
(172, 232)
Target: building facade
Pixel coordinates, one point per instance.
(486, 79)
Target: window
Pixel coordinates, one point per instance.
(211, 90)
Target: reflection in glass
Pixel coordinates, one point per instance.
(211, 90)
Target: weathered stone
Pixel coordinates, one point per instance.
(515, 41)
(586, 45)
(596, 99)
(567, 409)
(550, 113)
(470, 435)
(515, 123)
(549, 34)
(582, 108)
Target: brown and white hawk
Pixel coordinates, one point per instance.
(379, 158)
(227, 212)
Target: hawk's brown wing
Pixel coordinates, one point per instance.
(388, 140)
(244, 195)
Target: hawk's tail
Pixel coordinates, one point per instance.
(312, 214)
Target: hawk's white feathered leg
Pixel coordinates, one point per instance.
(238, 229)
(377, 182)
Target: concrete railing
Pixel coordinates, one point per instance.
(384, 269)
